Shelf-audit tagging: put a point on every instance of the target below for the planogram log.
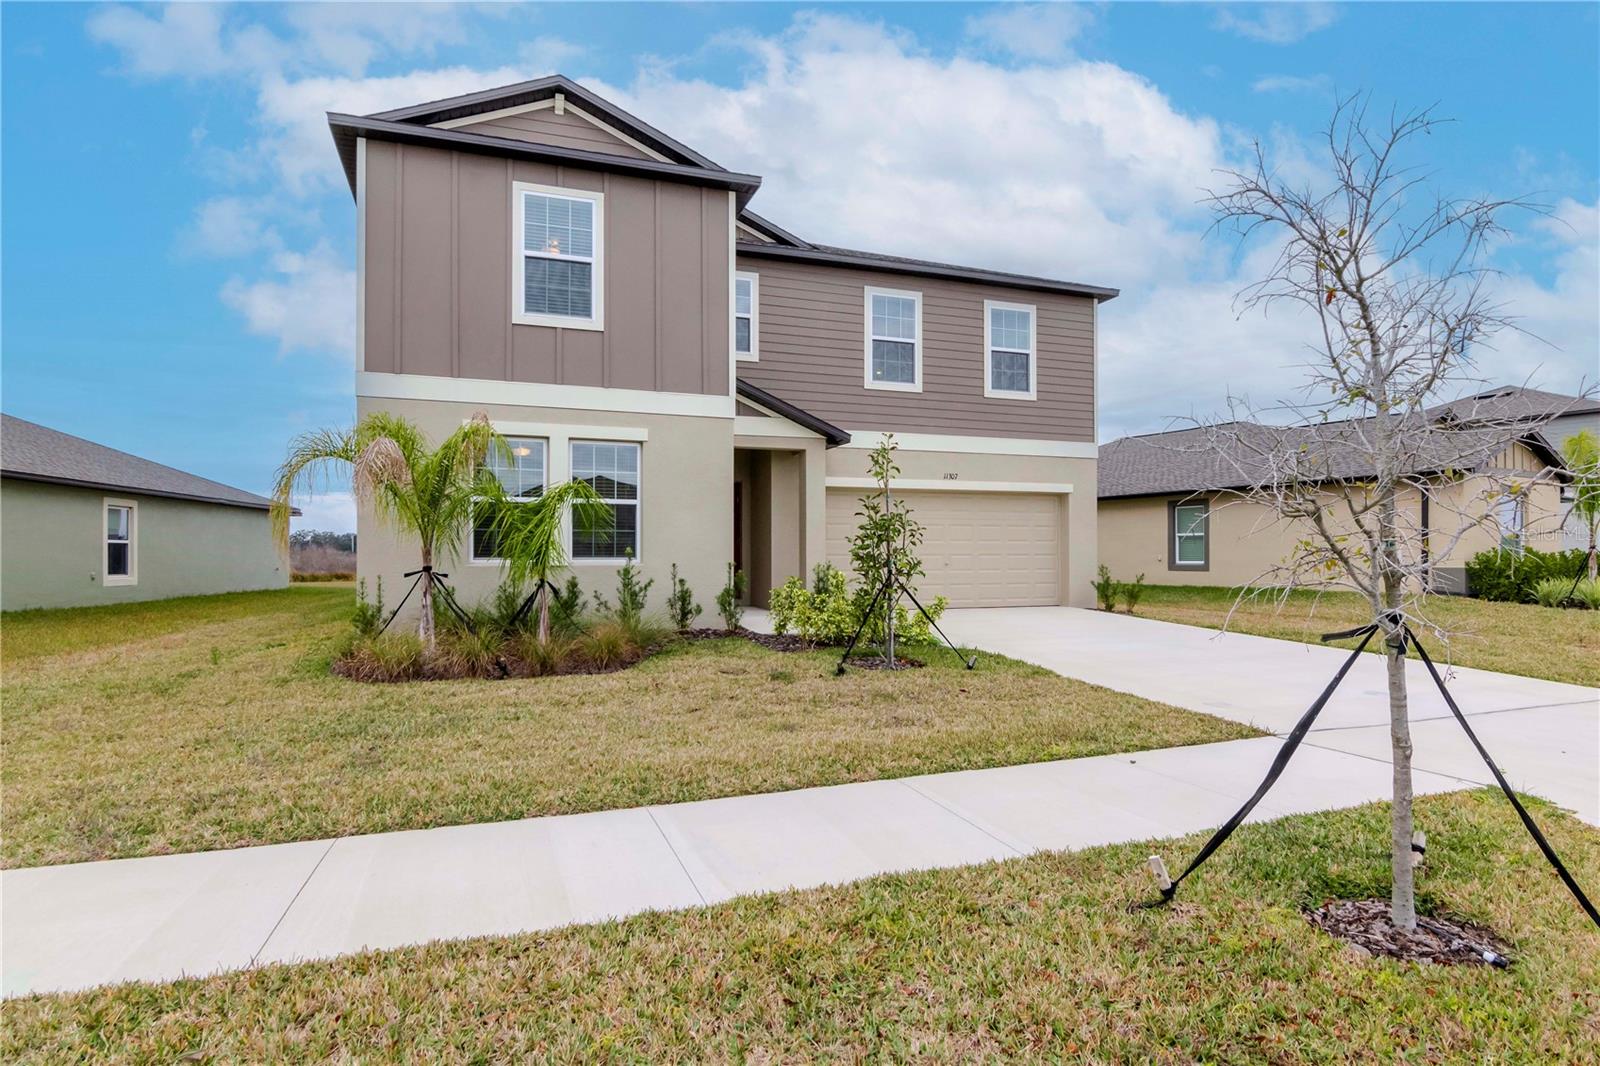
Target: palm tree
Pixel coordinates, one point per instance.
(528, 536)
(427, 492)
(1582, 454)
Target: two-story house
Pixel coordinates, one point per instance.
(607, 296)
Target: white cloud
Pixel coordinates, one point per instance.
(1085, 170)
(1030, 31)
(1277, 23)
(1559, 347)
(1291, 83)
(332, 511)
(307, 303)
(189, 41)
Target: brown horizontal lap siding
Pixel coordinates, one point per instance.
(546, 127)
(812, 344)
(439, 268)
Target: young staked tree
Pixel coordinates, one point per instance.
(883, 548)
(1395, 276)
(529, 535)
(425, 491)
(1582, 454)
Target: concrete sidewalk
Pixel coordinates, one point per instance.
(1544, 735)
(71, 927)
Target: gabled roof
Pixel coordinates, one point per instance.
(1512, 403)
(899, 264)
(32, 452)
(777, 405)
(529, 92)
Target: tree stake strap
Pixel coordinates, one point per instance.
(1281, 760)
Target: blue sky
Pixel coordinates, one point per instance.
(178, 242)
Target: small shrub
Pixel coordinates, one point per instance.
(728, 605)
(368, 615)
(1587, 594)
(1131, 592)
(822, 614)
(1508, 575)
(465, 653)
(1105, 589)
(390, 657)
(607, 646)
(646, 631)
(680, 603)
(631, 592)
(567, 607)
(542, 658)
(1550, 591)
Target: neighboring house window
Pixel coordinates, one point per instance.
(1008, 353)
(121, 562)
(894, 340)
(1190, 524)
(1509, 514)
(747, 316)
(559, 269)
(612, 469)
(522, 474)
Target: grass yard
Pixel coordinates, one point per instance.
(223, 728)
(1031, 959)
(1514, 638)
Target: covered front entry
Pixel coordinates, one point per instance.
(980, 549)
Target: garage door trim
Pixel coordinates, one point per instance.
(954, 485)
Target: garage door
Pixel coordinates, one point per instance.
(980, 549)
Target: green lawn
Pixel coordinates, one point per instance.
(223, 728)
(1033, 959)
(1514, 638)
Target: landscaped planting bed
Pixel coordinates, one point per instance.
(227, 727)
(1034, 959)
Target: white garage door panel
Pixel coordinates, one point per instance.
(980, 549)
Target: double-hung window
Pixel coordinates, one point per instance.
(611, 468)
(1009, 350)
(520, 468)
(746, 316)
(559, 257)
(1190, 532)
(1510, 514)
(120, 566)
(894, 340)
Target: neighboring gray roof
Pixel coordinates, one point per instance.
(37, 453)
(899, 264)
(1199, 459)
(1513, 403)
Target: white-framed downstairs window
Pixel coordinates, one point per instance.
(521, 470)
(120, 559)
(1190, 535)
(894, 339)
(558, 248)
(611, 468)
(747, 316)
(1010, 344)
(1510, 515)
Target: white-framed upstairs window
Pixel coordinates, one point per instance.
(747, 316)
(612, 469)
(522, 470)
(120, 555)
(1010, 350)
(894, 339)
(558, 249)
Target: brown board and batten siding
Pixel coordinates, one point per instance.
(544, 126)
(439, 268)
(813, 352)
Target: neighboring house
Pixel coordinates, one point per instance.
(1561, 417)
(82, 524)
(1170, 508)
(605, 294)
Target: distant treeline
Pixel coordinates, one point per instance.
(317, 551)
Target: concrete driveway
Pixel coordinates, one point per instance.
(1545, 735)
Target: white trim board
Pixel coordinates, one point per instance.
(911, 484)
(385, 386)
(561, 105)
(775, 426)
(940, 442)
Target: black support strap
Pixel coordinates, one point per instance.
(1522, 812)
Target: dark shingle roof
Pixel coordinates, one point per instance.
(37, 453)
(1233, 456)
(1515, 404)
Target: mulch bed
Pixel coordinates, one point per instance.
(877, 662)
(1364, 925)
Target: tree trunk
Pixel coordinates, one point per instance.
(1402, 894)
(425, 623)
(544, 611)
(1592, 549)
